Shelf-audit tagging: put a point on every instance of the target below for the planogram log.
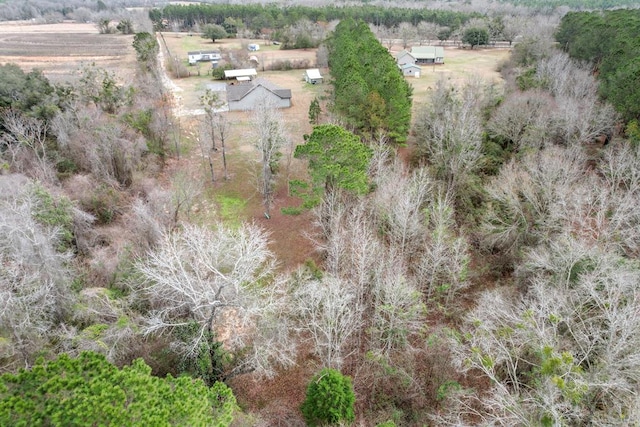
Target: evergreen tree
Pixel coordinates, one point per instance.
(330, 399)
(88, 390)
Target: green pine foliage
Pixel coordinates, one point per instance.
(476, 37)
(89, 391)
(369, 89)
(330, 399)
(609, 40)
(337, 159)
(271, 15)
(29, 92)
(54, 212)
(146, 47)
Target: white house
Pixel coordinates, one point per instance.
(313, 76)
(245, 96)
(204, 55)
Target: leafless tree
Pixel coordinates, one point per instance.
(400, 200)
(223, 127)
(427, 31)
(25, 142)
(398, 308)
(34, 278)
(211, 277)
(407, 34)
(329, 315)
(528, 200)
(96, 144)
(269, 139)
(574, 331)
(580, 115)
(450, 132)
(444, 262)
(184, 191)
(524, 119)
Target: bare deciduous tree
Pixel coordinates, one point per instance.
(566, 351)
(524, 119)
(216, 279)
(25, 142)
(407, 34)
(329, 314)
(527, 200)
(450, 133)
(34, 278)
(184, 190)
(270, 138)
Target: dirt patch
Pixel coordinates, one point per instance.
(59, 50)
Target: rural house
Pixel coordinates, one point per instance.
(410, 70)
(313, 76)
(245, 96)
(204, 55)
(405, 57)
(428, 54)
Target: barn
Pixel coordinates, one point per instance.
(245, 96)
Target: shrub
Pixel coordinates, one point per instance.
(330, 399)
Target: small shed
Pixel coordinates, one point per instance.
(204, 56)
(246, 72)
(313, 76)
(246, 96)
(410, 70)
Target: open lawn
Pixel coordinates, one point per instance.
(461, 65)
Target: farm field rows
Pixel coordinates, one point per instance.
(59, 50)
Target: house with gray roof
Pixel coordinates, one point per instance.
(245, 96)
(428, 54)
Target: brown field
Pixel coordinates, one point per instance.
(59, 50)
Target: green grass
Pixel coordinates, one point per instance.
(232, 209)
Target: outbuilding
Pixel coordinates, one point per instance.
(243, 74)
(313, 76)
(410, 70)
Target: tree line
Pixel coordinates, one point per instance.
(369, 89)
(608, 40)
(258, 16)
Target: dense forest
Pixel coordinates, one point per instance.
(477, 260)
